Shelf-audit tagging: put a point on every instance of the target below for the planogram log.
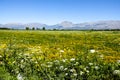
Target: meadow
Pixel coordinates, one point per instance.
(59, 55)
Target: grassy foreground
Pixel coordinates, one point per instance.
(59, 55)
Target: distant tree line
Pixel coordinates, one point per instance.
(43, 28)
(4, 28)
(86, 29)
(105, 29)
(33, 28)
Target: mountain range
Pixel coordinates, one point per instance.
(112, 24)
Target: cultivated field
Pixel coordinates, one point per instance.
(59, 55)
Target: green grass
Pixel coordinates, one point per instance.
(38, 52)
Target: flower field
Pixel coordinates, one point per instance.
(59, 55)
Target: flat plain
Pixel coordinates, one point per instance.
(59, 55)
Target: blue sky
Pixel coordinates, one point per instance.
(56, 11)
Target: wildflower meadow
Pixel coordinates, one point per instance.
(59, 55)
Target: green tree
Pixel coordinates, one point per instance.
(43, 28)
(54, 29)
(33, 28)
(27, 28)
